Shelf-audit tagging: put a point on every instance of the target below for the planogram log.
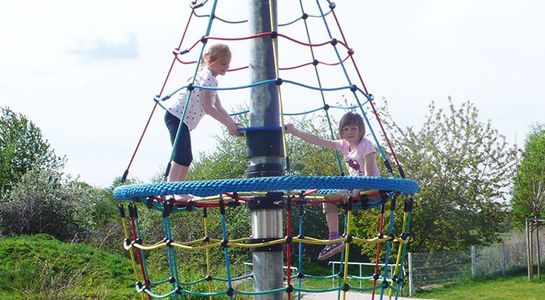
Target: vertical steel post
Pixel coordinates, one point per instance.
(473, 262)
(503, 259)
(538, 248)
(410, 261)
(265, 152)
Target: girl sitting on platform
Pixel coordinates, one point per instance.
(215, 61)
(359, 156)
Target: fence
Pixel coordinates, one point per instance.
(360, 269)
(429, 269)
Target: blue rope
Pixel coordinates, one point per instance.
(369, 97)
(243, 112)
(173, 269)
(191, 87)
(245, 21)
(388, 248)
(220, 186)
(226, 252)
(179, 131)
(300, 251)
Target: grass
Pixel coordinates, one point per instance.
(41, 267)
(511, 287)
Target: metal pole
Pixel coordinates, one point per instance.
(473, 262)
(332, 274)
(538, 250)
(528, 266)
(410, 261)
(527, 250)
(361, 274)
(503, 259)
(530, 249)
(265, 151)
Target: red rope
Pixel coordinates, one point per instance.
(313, 45)
(255, 36)
(138, 253)
(370, 102)
(281, 68)
(377, 256)
(155, 104)
(288, 249)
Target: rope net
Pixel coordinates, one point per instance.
(291, 198)
(291, 193)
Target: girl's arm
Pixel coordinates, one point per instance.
(220, 108)
(311, 138)
(369, 160)
(219, 114)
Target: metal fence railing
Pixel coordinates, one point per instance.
(429, 269)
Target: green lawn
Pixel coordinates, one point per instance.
(41, 267)
(508, 288)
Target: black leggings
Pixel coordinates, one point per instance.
(183, 154)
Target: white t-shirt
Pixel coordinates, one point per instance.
(195, 111)
(355, 158)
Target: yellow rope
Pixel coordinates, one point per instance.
(277, 73)
(399, 249)
(242, 243)
(205, 219)
(347, 251)
(131, 252)
(331, 196)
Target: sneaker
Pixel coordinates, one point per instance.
(182, 199)
(330, 250)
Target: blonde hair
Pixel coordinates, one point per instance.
(214, 52)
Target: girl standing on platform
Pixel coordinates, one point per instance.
(359, 156)
(215, 61)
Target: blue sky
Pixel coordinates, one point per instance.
(86, 72)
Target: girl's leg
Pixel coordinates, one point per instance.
(332, 219)
(177, 172)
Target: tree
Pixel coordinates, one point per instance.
(43, 202)
(529, 181)
(35, 195)
(464, 168)
(22, 148)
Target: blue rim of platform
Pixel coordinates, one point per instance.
(206, 188)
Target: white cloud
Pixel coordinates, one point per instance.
(124, 46)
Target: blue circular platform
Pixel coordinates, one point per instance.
(263, 184)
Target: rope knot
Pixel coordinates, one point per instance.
(289, 289)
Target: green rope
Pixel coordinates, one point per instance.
(322, 95)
